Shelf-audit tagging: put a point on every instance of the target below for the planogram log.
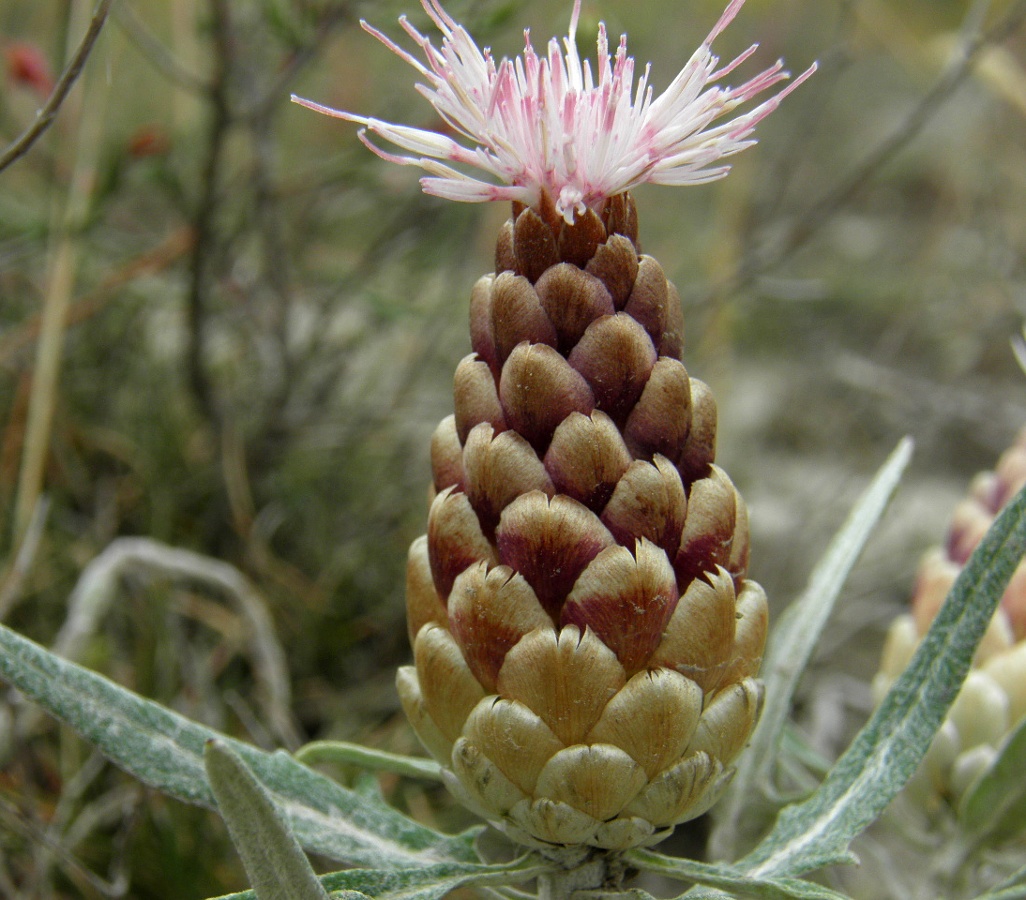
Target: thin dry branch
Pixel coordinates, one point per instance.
(49, 845)
(48, 112)
(14, 577)
(815, 216)
(167, 252)
(96, 591)
(154, 52)
(262, 105)
(207, 243)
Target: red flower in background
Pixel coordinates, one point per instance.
(27, 66)
(147, 141)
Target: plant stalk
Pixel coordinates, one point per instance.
(60, 282)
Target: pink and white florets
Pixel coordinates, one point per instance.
(550, 126)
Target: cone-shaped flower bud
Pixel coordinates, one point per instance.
(585, 637)
(993, 698)
(588, 556)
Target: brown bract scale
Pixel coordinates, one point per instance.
(648, 502)
(515, 315)
(446, 455)
(500, 468)
(661, 420)
(538, 390)
(616, 264)
(587, 458)
(550, 540)
(586, 639)
(615, 357)
(477, 398)
(572, 299)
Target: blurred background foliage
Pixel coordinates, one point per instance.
(226, 327)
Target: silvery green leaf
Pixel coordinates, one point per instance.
(728, 878)
(165, 750)
(1012, 888)
(275, 863)
(885, 753)
(366, 784)
(791, 645)
(344, 753)
(995, 804)
(427, 883)
(1012, 893)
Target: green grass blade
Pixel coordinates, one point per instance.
(726, 878)
(887, 750)
(792, 643)
(165, 750)
(1016, 892)
(344, 753)
(275, 863)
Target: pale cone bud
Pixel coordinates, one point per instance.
(992, 700)
(585, 639)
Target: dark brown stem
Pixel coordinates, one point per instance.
(206, 246)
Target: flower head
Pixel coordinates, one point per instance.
(550, 127)
(585, 636)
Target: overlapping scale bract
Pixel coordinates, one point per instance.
(585, 640)
(992, 701)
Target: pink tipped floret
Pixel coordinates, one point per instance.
(552, 126)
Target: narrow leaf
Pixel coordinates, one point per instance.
(165, 750)
(729, 879)
(887, 750)
(428, 883)
(1013, 893)
(1012, 888)
(344, 753)
(792, 643)
(995, 806)
(1016, 892)
(276, 865)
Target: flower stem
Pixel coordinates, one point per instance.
(86, 119)
(561, 883)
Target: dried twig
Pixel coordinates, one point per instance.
(168, 251)
(262, 105)
(14, 578)
(44, 118)
(241, 104)
(155, 52)
(61, 275)
(207, 242)
(96, 588)
(20, 822)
